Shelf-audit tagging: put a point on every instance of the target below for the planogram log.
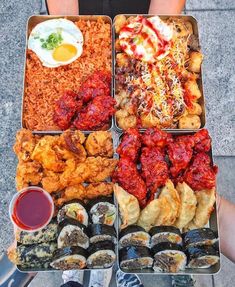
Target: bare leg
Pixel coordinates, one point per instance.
(63, 7)
(166, 7)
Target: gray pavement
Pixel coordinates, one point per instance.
(217, 25)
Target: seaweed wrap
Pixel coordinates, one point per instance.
(135, 258)
(46, 234)
(201, 236)
(72, 233)
(165, 233)
(134, 235)
(202, 256)
(103, 211)
(101, 255)
(168, 257)
(74, 209)
(69, 258)
(101, 232)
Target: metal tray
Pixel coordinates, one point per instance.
(115, 137)
(201, 101)
(213, 224)
(31, 23)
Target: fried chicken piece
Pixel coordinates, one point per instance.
(154, 168)
(74, 173)
(96, 189)
(28, 173)
(100, 168)
(130, 144)
(100, 143)
(72, 192)
(96, 114)
(24, 145)
(154, 137)
(180, 153)
(46, 155)
(128, 177)
(65, 109)
(202, 141)
(201, 174)
(51, 181)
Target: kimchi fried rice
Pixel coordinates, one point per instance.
(43, 86)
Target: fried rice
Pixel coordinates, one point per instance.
(43, 86)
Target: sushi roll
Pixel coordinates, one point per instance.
(135, 258)
(103, 211)
(46, 234)
(72, 233)
(202, 256)
(134, 235)
(201, 236)
(73, 209)
(69, 258)
(168, 257)
(101, 232)
(101, 255)
(165, 233)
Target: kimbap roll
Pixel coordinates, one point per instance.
(69, 258)
(135, 258)
(168, 257)
(75, 210)
(134, 235)
(101, 232)
(165, 233)
(72, 233)
(101, 255)
(202, 256)
(103, 211)
(201, 236)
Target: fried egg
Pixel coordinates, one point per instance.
(56, 42)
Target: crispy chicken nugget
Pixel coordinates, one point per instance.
(72, 192)
(100, 143)
(51, 181)
(96, 189)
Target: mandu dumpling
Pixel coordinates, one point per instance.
(128, 206)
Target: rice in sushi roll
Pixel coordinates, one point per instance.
(69, 258)
(75, 210)
(103, 211)
(134, 235)
(202, 256)
(72, 233)
(201, 236)
(165, 233)
(101, 255)
(102, 232)
(168, 257)
(135, 258)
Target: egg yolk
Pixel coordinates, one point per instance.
(64, 52)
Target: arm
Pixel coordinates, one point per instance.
(166, 6)
(63, 7)
(226, 215)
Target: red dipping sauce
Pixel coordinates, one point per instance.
(31, 209)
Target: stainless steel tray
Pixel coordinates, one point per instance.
(213, 224)
(201, 101)
(31, 23)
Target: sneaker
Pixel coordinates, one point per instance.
(128, 280)
(182, 281)
(100, 278)
(73, 275)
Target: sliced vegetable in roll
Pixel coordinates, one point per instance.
(72, 233)
(103, 211)
(101, 255)
(46, 234)
(135, 258)
(134, 235)
(75, 210)
(101, 232)
(201, 236)
(69, 258)
(165, 233)
(168, 257)
(202, 256)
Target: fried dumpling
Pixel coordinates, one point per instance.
(128, 206)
